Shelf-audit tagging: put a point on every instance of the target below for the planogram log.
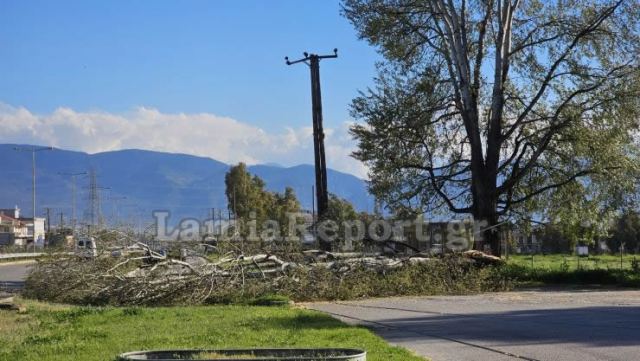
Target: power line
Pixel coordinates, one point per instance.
(73, 176)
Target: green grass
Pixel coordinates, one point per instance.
(555, 261)
(567, 269)
(49, 332)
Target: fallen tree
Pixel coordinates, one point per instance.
(155, 279)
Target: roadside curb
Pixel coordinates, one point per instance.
(18, 262)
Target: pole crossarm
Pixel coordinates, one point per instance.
(308, 57)
(72, 174)
(32, 149)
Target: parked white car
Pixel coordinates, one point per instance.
(86, 247)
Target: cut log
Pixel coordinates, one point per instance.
(482, 258)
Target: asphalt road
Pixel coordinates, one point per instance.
(12, 275)
(538, 325)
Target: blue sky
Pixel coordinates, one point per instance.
(223, 58)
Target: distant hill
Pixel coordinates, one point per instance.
(140, 181)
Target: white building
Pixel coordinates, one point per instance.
(12, 231)
(19, 231)
(527, 243)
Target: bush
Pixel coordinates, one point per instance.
(527, 275)
(635, 265)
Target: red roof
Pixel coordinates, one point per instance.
(9, 218)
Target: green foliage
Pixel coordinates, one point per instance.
(341, 212)
(503, 112)
(584, 221)
(553, 240)
(246, 195)
(635, 265)
(285, 205)
(340, 209)
(255, 205)
(580, 218)
(250, 202)
(627, 232)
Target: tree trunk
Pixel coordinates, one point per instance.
(488, 232)
(485, 214)
(492, 238)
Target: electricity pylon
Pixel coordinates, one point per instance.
(95, 209)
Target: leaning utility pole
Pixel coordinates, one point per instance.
(313, 61)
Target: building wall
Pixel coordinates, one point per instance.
(16, 231)
(12, 232)
(39, 233)
(527, 243)
(6, 239)
(439, 237)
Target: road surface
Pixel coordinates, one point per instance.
(12, 275)
(536, 325)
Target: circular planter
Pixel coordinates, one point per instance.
(321, 354)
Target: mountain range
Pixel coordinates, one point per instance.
(132, 183)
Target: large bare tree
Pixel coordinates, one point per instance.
(483, 106)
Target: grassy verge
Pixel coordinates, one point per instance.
(48, 332)
(572, 262)
(565, 269)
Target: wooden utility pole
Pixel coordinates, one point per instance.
(313, 205)
(313, 61)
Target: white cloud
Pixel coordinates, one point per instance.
(201, 134)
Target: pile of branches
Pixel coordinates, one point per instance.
(152, 278)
